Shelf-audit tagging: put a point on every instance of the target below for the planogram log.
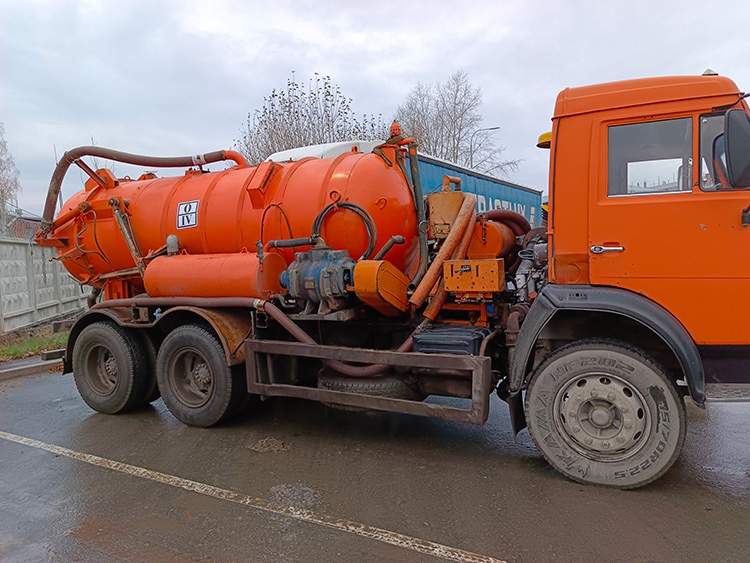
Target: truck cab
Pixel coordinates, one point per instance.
(641, 200)
(649, 252)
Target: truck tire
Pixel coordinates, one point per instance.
(108, 370)
(197, 385)
(392, 387)
(604, 413)
(145, 347)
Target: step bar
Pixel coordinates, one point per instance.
(727, 392)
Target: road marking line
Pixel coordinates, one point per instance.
(356, 528)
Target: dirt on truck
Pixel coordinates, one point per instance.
(337, 280)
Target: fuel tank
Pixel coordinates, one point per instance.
(230, 211)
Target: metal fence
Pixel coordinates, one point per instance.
(33, 289)
(16, 222)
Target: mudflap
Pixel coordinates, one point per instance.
(517, 415)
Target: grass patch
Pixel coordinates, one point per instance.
(26, 344)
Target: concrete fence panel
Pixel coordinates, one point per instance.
(32, 288)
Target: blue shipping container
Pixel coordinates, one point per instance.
(491, 193)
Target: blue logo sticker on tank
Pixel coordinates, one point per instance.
(187, 214)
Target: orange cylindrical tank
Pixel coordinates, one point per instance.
(229, 211)
(491, 240)
(214, 275)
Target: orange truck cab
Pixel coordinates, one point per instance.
(649, 253)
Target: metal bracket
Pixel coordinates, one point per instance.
(476, 366)
(127, 233)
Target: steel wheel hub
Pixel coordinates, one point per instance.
(101, 368)
(602, 416)
(192, 378)
(200, 378)
(110, 367)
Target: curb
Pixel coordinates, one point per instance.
(33, 369)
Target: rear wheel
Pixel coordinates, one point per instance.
(602, 412)
(108, 370)
(197, 385)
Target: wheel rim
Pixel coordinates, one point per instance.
(602, 417)
(191, 377)
(101, 370)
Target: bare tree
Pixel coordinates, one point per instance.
(445, 118)
(300, 116)
(10, 186)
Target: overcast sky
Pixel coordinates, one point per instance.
(169, 78)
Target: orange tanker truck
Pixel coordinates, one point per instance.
(336, 280)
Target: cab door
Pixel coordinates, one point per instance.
(664, 222)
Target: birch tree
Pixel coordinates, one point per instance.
(446, 120)
(304, 114)
(10, 186)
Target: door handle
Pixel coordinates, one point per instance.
(599, 249)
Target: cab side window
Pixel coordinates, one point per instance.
(652, 157)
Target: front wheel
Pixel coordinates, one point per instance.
(604, 413)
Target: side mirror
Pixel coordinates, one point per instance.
(737, 138)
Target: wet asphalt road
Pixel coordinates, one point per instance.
(474, 489)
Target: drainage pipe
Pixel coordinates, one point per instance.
(342, 367)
